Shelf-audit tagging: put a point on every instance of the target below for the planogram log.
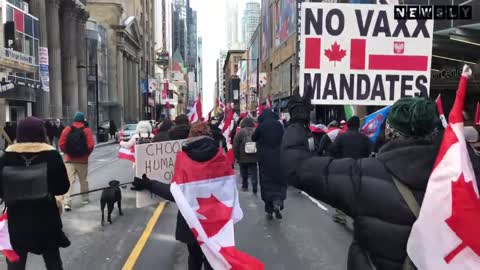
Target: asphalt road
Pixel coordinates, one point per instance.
(305, 239)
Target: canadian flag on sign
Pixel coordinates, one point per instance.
(445, 235)
(206, 194)
(360, 58)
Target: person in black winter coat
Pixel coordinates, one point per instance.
(364, 189)
(50, 128)
(163, 131)
(200, 147)
(326, 140)
(181, 129)
(273, 182)
(35, 226)
(247, 161)
(218, 137)
(351, 144)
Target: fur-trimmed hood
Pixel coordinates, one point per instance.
(29, 148)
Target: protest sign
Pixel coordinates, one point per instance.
(358, 54)
(157, 161)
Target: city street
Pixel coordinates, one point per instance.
(307, 238)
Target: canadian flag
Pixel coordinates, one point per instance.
(440, 111)
(268, 103)
(5, 245)
(196, 114)
(127, 154)
(332, 133)
(220, 104)
(361, 58)
(260, 110)
(477, 115)
(445, 235)
(206, 194)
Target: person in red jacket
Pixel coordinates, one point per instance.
(77, 143)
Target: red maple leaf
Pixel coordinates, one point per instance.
(465, 217)
(335, 54)
(216, 214)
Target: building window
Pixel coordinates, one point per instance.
(28, 25)
(9, 14)
(18, 42)
(29, 46)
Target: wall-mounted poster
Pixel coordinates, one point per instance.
(266, 34)
(285, 19)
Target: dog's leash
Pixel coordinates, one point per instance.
(123, 185)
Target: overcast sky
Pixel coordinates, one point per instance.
(212, 28)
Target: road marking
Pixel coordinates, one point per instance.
(137, 250)
(314, 201)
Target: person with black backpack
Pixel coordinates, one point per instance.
(77, 143)
(32, 174)
(245, 151)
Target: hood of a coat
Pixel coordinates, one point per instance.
(201, 148)
(29, 148)
(247, 122)
(411, 161)
(179, 132)
(267, 114)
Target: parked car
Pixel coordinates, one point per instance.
(127, 131)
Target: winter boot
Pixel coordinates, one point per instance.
(278, 215)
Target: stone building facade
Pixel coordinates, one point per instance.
(232, 81)
(130, 54)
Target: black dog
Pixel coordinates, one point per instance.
(110, 196)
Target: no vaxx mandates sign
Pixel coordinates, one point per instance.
(359, 54)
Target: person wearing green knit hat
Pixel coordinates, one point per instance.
(412, 117)
(369, 190)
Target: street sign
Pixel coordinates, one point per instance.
(360, 55)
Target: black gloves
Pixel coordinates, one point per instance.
(142, 183)
(300, 107)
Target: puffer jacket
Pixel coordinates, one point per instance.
(364, 189)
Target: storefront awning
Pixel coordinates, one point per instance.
(459, 44)
(17, 92)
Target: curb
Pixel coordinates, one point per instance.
(105, 144)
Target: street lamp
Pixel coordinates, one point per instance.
(258, 76)
(96, 96)
(162, 60)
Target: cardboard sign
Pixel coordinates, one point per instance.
(358, 54)
(157, 161)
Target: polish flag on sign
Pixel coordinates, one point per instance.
(5, 245)
(206, 194)
(127, 154)
(360, 58)
(196, 113)
(445, 235)
(440, 111)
